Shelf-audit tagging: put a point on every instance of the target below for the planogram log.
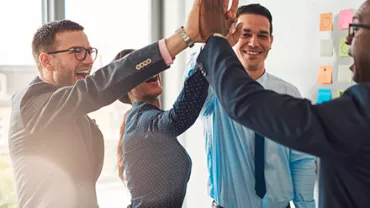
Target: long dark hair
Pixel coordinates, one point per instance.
(124, 99)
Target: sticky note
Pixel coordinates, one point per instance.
(325, 75)
(344, 74)
(326, 22)
(326, 47)
(340, 92)
(345, 18)
(323, 95)
(343, 48)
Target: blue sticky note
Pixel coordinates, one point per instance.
(323, 95)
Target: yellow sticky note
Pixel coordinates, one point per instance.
(326, 22)
(326, 47)
(325, 75)
(343, 48)
(340, 92)
(344, 74)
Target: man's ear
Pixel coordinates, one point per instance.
(272, 40)
(46, 61)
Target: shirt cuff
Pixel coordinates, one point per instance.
(164, 52)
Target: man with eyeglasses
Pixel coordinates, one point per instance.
(56, 149)
(337, 131)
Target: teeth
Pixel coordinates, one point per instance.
(252, 53)
(83, 72)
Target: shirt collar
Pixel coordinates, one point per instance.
(262, 79)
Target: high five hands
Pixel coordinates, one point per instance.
(208, 17)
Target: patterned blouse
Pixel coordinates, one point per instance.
(157, 166)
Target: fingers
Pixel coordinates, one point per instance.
(234, 7)
(225, 4)
(196, 3)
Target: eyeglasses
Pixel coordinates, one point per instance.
(352, 29)
(80, 52)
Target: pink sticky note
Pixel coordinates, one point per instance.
(345, 18)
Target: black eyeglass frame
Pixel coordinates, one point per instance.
(351, 27)
(75, 51)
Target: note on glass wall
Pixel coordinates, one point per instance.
(340, 92)
(345, 18)
(343, 48)
(326, 22)
(326, 47)
(325, 75)
(344, 74)
(323, 95)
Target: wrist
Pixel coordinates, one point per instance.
(184, 34)
(175, 44)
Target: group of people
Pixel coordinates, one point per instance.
(262, 139)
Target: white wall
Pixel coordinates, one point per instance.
(295, 54)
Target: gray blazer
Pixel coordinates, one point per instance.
(56, 150)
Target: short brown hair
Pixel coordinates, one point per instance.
(44, 38)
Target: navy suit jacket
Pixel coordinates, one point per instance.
(337, 131)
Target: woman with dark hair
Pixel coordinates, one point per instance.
(150, 158)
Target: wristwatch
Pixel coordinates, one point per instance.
(185, 37)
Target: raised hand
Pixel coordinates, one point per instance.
(215, 18)
(192, 23)
(234, 33)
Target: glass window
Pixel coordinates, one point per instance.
(112, 25)
(19, 21)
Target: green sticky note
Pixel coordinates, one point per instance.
(340, 92)
(343, 48)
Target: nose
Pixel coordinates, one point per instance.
(88, 59)
(253, 41)
(349, 40)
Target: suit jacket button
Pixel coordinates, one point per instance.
(138, 67)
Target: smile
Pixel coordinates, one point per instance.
(82, 74)
(253, 53)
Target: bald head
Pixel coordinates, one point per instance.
(359, 41)
(363, 13)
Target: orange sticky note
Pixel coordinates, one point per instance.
(325, 75)
(326, 22)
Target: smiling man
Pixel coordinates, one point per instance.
(260, 172)
(57, 151)
(337, 131)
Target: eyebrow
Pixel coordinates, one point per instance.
(260, 32)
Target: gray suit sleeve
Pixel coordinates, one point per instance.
(44, 104)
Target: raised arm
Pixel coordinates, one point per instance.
(186, 108)
(190, 68)
(44, 104)
(332, 129)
